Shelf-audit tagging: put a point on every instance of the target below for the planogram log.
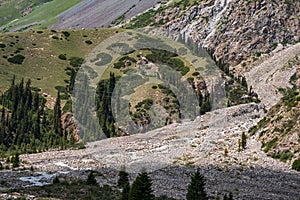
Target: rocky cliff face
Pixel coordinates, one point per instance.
(69, 125)
(236, 30)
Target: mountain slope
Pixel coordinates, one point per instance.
(36, 16)
(41, 50)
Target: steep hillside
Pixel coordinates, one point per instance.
(279, 130)
(256, 39)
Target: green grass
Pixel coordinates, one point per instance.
(44, 15)
(42, 64)
(13, 9)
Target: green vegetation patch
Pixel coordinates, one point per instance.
(17, 59)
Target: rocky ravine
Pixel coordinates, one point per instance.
(168, 154)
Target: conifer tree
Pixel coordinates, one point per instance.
(244, 141)
(141, 188)
(57, 116)
(123, 182)
(15, 161)
(91, 180)
(123, 178)
(196, 189)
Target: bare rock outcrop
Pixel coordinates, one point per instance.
(69, 125)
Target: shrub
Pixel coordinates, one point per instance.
(119, 65)
(2, 45)
(55, 37)
(62, 57)
(17, 59)
(56, 180)
(196, 74)
(66, 33)
(128, 58)
(271, 144)
(88, 42)
(60, 88)
(296, 165)
(76, 61)
(39, 32)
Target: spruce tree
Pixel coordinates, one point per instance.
(244, 141)
(141, 188)
(196, 189)
(125, 192)
(91, 180)
(57, 116)
(123, 178)
(15, 161)
(123, 182)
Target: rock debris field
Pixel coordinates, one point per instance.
(169, 155)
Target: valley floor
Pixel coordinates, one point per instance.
(170, 153)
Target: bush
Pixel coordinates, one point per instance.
(56, 180)
(76, 61)
(128, 58)
(39, 32)
(296, 165)
(60, 88)
(119, 65)
(66, 33)
(55, 37)
(2, 45)
(17, 59)
(196, 74)
(88, 42)
(62, 57)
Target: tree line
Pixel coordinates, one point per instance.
(26, 124)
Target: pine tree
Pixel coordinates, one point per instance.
(230, 197)
(123, 178)
(141, 188)
(196, 189)
(57, 116)
(244, 141)
(15, 161)
(123, 182)
(91, 180)
(125, 192)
